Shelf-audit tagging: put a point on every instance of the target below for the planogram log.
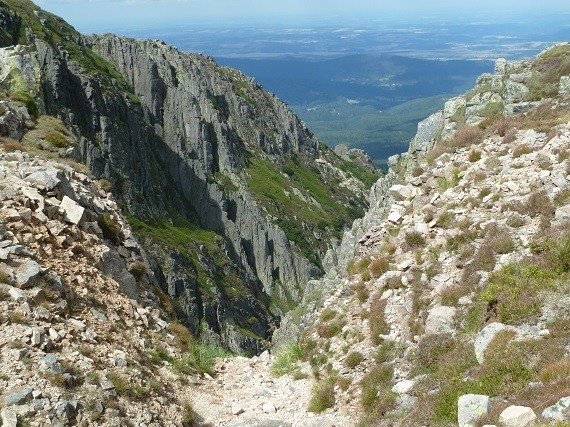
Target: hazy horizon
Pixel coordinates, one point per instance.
(105, 15)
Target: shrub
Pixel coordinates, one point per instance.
(183, 338)
(328, 314)
(29, 102)
(188, 415)
(379, 266)
(445, 219)
(515, 221)
(515, 290)
(474, 156)
(286, 360)
(105, 185)
(451, 294)
(414, 239)
(11, 145)
(521, 150)
(138, 269)
(353, 359)
(376, 397)
(484, 259)
(110, 227)
(538, 203)
(499, 239)
(430, 350)
(361, 291)
(322, 396)
(56, 139)
(376, 321)
(332, 329)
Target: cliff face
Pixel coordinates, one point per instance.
(234, 199)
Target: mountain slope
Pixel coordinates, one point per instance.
(187, 146)
(455, 283)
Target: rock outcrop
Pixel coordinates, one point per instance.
(185, 142)
(425, 281)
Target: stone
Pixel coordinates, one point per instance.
(18, 396)
(27, 273)
(517, 416)
(52, 364)
(403, 387)
(485, 336)
(37, 334)
(16, 294)
(77, 324)
(471, 407)
(106, 384)
(440, 320)
(237, 409)
(400, 192)
(395, 217)
(47, 178)
(564, 85)
(73, 211)
(9, 418)
(560, 411)
(269, 408)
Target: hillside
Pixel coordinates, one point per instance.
(455, 306)
(233, 199)
(158, 210)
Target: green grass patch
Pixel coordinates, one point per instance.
(515, 291)
(286, 360)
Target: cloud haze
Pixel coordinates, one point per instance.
(95, 14)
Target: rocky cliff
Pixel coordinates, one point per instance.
(448, 302)
(234, 199)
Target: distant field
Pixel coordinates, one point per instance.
(363, 101)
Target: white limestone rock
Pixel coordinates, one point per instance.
(440, 320)
(517, 416)
(486, 335)
(73, 211)
(559, 411)
(471, 407)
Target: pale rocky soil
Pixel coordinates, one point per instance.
(245, 393)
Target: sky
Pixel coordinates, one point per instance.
(89, 16)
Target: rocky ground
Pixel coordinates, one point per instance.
(454, 311)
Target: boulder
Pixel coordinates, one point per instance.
(73, 211)
(27, 273)
(517, 416)
(18, 396)
(486, 335)
(8, 417)
(471, 407)
(440, 320)
(400, 192)
(46, 178)
(559, 411)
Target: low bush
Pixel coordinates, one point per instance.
(322, 395)
(538, 203)
(56, 139)
(377, 398)
(379, 266)
(515, 291)
(414, 239)
(286, 360)
(10, 145)
(376, 321)
(353, 359)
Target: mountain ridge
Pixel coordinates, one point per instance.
(175, 136)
